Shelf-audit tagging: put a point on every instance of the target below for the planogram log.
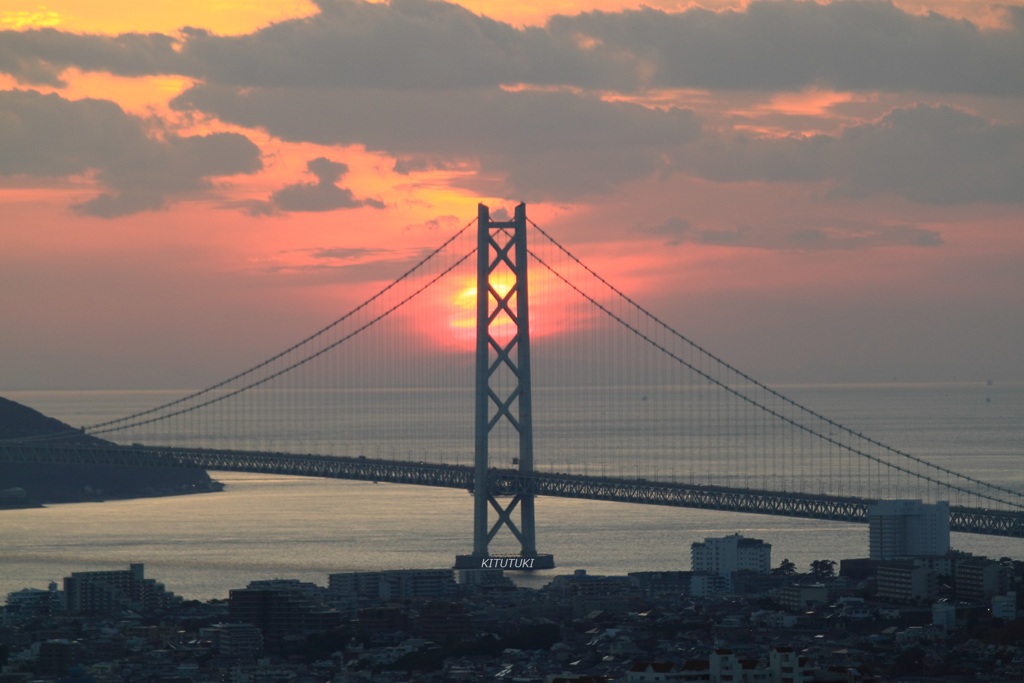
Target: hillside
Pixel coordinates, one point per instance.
(23, 485)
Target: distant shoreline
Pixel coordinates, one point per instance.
(30, 485)
(5, 504)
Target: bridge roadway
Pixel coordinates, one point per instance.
(502, 482)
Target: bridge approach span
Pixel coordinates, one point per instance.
(501, 482)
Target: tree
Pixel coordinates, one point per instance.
(823, 569)
(785, 568)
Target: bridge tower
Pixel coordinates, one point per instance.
(503, 390)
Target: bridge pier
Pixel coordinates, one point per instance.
(503, 389)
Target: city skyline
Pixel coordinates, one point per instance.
(815, 191)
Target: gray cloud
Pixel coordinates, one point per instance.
(420, 81)
(742, 236)
(348, 253)
(674, 231)
(413, 164)
(346, 264)
(863, 237)
(791, 45)
(546, 144)
(781, 45)
(402, 45)
(49, 136)
(398, 79)
(928, 154)
(934, 155)
(39, 57)
(428, 45)
(811, 235)
(324, 194)
(46, 135)
(445, 224)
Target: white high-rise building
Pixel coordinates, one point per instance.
(723, 556)
(905, 528)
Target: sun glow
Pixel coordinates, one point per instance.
(457, 330)
(462, 316)
(112, 17)
(40, 17)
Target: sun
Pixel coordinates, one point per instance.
(455, 329)
(462, 318)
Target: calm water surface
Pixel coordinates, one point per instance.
(264, 526)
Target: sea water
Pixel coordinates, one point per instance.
(262, 526)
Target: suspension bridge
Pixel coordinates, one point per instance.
(515, 371)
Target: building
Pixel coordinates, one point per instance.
(789, 666)
(282, 608)
(442, 621)
(348, 591)
(394, 584)
(384, 624)
(662, 583)
(978, 579)
(32, 603)
(745, 582)
(582, 593)
(904, 528)
(55, 657)
(1005, 606)
(723, 556)
(114, 591)
(906, 581)
(798, 598)
(705, 584)
(654, 672)
(727, 667)
(721, 666)
(944, 616)
(234, 640)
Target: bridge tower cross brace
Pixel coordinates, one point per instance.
(503, 387)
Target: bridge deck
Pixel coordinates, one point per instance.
(504, 482)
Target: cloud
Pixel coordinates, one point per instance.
(445, 224)
(933, 155)
(46, 135)
(927, 154)
(331, 265)
(39, 57)
(49, 136)
(401, 45)
(324, 194)
(792, 45)
(348, 253)
(418, 164)
(525, 112)
(419, 81)
(861, 236)
(779, 45)
(675, 231)
(427, 45)
(811, 234)
(544, 144)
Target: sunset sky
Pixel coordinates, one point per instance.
(815, 191)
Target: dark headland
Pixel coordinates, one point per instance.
(27, 485)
